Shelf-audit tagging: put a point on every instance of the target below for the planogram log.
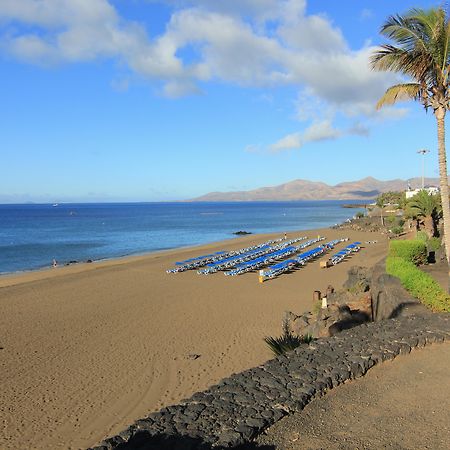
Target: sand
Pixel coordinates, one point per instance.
(88, 349)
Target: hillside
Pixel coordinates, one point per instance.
(365, 189)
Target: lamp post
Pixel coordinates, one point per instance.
(423, 152)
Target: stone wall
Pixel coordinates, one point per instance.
(237, 409)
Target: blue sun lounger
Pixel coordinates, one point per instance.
(300, 260)
(199, 258)
(261, 261)
(340, 256)
(195, 263)
(271, 257)
(243, 258)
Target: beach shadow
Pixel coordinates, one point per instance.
(143, 441)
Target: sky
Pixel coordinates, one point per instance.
(160, 100)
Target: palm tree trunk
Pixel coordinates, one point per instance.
(443, 181)
(428, 224)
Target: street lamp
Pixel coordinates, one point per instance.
(423, 152)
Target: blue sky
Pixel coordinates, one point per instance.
(153, 100)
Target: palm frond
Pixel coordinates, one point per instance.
(407, 31)
(420, 49)
(399, 92)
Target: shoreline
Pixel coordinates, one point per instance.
(27, 275)
(88, 259)
(87, 349)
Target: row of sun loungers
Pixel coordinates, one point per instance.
(235, 260)
(269, 258)
(340, 256)
(299, 260)
(201, 261)
(199, 258)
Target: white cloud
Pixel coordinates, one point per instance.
(288, 142)
(317, 131)
(359, 129)
(242, 42)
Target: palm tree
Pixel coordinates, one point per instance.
(427, 208)
(421, 52)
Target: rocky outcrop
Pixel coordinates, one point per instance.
(369, 294)
(389, 298)
(344, 309)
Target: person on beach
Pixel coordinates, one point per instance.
(285, 237)
(55, 263)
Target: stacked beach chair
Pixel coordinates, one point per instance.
(216, 259)
(269, 258)
(345, 252)
(248, 259)
(260, 254)
(299, 260)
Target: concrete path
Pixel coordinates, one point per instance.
(399, 404)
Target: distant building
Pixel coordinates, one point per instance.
(432, 190)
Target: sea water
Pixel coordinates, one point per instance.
(32, 236)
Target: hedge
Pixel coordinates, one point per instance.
(419, 284)
(414, 251)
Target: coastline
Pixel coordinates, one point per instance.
(146, 231)
(25, 276)
(89, 348)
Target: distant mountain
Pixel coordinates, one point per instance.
(365, 189)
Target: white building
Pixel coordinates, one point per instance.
(432, 190)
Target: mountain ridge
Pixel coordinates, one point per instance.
(365, 189)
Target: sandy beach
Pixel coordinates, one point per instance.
(87, 349)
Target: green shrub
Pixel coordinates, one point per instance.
(390, 220)
(419, 284)
(359, 215)
(401, 222)
(434, 244)
(397, 230)
(414, 251)
(422, 236)
(287, 341)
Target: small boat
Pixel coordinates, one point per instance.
(55, 204)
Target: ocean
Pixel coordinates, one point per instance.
(32, 235)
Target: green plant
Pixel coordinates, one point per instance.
(422, 236)
(427, 210)
(287, 341)
(359, 215)
(414, 251)
(390, 220)
(434, 244)
(397, 230)
(419, 284)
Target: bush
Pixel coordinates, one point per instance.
(414, 251)
(287, 341)
(419, 284)
(390, 220)
(422, 236)
(397, 230)
(359, 215)
(434, 244)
